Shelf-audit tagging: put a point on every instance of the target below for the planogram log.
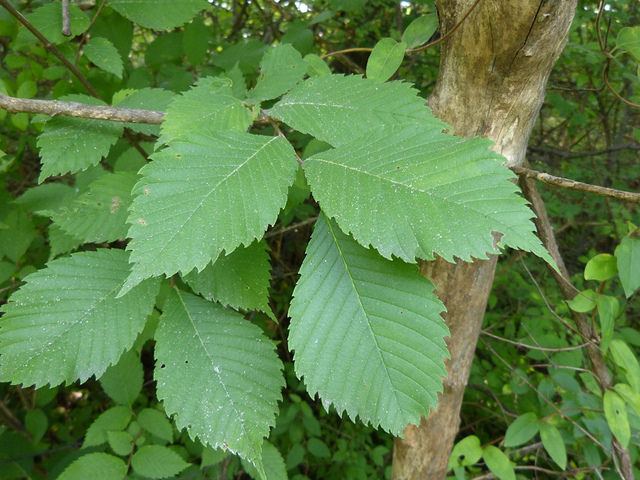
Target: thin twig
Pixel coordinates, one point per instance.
(295, 226)
(81, 110)
(50, 46)
(532, 347)
(579, 186)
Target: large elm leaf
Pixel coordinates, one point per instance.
(421, 192)
(337, 109)
(145, 98)
(100, 214)
(66, 324)
(204, 195)
(70, 144)
(208, 107)
(280, 69)
(217, 374)
(239, 279)
(158, 14)
(367, 332)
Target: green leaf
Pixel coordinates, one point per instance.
(120, 442)
(205, 195)
(47, 196)
(316, 66)
(386, 57)
(123, 381)
(112, 420)
(629, 395)
(72, 144)
(420, 30)
(553, 444)
(615, 411)
(274, 467)
(240, 279)
(422, 192)
(318, 448)
(601, 268)
(61, 242)
(65, 323)
(629, 41)
(626, 359)
(146, 99)
(608, 308)
(47, 19)
(103, 54)
(195, 41)
(280, 69)
(584, 301)
(498, 463)
(367, 332)
(18, 234)
(628, 261)
(466, 452)
(158, 14)
(156, 423)
(521, 430)
(100, 214)
(217, 374)
(110, 467)
(207, 108)
(337, 108)
(155, 461)
(36, 423)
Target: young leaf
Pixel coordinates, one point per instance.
(422, 192)
(629, 395)
(521, 430)
(316, 66)
(584, 301)
(112, 420)
(628, 40)
(466, 452)
(498, 463)
(156, 423)
(367, 333)
(615, 411)
(207, 194)
(209, 107)
(217, 374)
(386, 57)
(553, 444)
(240, 279)
(100, 214)
(123, 381)
(420, 30)
(608, 308)
(104, 55)
(274, 466)
(601, 268)
(120, 442)
(158, 14)
(72, 144)
(65, 323)
(624, 358)
(155, 461)
(628, 260)
(280, 69)
(110, 467)
(337, 108)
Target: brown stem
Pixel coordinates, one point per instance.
(575, 185)
(50, 46)
(81, 110)
(66, 23)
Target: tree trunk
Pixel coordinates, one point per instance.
(492, 80)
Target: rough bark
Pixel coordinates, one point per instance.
(492, 80)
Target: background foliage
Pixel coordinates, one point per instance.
(537, 408)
